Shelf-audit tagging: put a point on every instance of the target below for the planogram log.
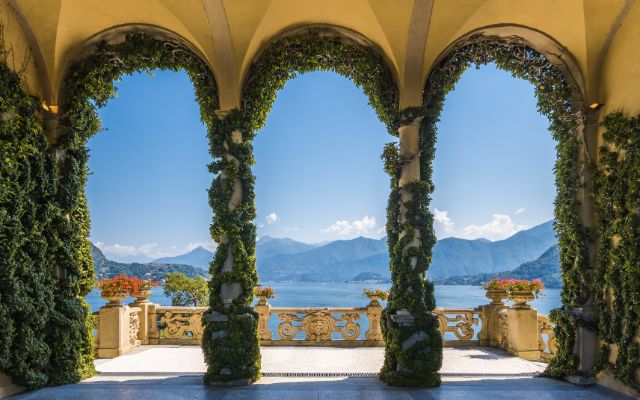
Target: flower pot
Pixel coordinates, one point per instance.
(143, 295)
(496, 296)
(521, 297)
(374, 300)
(115, 299)
(262, 300)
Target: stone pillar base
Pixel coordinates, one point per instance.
(7, 387)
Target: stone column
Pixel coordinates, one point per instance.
(413, 345)
(492, 330)
(374, 312)
(263, 308)
(230, 342)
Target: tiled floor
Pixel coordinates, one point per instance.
(176, 373)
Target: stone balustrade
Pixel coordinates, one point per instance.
(519, 330)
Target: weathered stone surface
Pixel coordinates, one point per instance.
(413, 339)
(215, 316)
(219, 335)
(229, 292)
(403, 318)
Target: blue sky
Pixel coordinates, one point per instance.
(318, 171)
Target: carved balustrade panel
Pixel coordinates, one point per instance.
(324, 326)
(465, 324)
(134, 325)
(179, 324)
(546, 338)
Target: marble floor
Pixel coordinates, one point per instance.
(308, 373)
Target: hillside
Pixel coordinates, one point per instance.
(546, 268)
(333, 262)
(454, 256)
(198, 257)
(106, 268)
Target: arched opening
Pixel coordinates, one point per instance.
(88, 86)
(558, 99)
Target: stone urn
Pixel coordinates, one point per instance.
(521, 297)
(375, 300)
(496, 296)
(143, 296)
(262, 300)
(115, 299)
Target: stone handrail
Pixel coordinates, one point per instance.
(519, 330)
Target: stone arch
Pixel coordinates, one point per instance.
(416, 342)
(306, 58)
(561, 92)
(89, 85)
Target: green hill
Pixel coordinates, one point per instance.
(107, 269)
(546, 268)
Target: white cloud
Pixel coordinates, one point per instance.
(500, 227)
(520, 211)
(360, 227)
(272, 218)
(443, 219)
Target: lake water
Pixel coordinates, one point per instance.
(305, 294)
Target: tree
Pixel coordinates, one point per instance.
(185, 291)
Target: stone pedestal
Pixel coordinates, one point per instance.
(374, 312)
(7, 387)
(114, 332)
(493, 330)
(145, 323)
(523, 333)
(264, 312)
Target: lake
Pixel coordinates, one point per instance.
(306, 294)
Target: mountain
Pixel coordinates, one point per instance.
(268, 246)
(455, 256)
(198, 257)
(106, 268)
(546, 268)
(344, 259)
(334, 262)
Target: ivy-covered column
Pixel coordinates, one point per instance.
(413, 346)
(230, 340)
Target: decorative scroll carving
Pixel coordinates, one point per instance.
(181, 323)
(545, 327)
(318, 325)
(464, 320)
(134, 327)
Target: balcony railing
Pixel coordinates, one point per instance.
(520, 331)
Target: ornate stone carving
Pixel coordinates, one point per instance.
(182, 324)
(464, 320)
(318, 325)
(545, 327)
(134, 327)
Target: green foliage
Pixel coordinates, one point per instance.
(231, 347)
(558, 100)
(88, 86)
(617, 284)
(27, 191)
(185, 291)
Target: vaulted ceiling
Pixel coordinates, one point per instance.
(411, 34)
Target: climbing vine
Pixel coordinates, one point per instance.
(89, 84)
(616, 286)
(27, 213)
(231, 341)
(558, 100)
